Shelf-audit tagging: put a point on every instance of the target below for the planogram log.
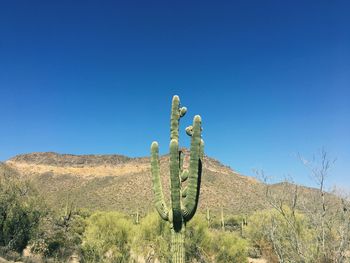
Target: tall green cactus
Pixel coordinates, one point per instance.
(184, 200)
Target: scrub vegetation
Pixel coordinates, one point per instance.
(290, 223)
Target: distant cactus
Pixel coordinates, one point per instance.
(208, 217)
(222, 219)
(184, 200)
(243, 224)
(137, 216)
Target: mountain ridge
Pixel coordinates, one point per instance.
(119, 182)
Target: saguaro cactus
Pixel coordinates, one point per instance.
(208, 217)
(184, 199)
(222, 219)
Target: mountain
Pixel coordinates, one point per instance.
(117, 182)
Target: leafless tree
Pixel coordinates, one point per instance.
(328, 214)
(284, 202)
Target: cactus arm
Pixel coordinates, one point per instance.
(201, 153)
(184, 175)
(183, 172)
(175, 185)
(193, 188)
(156, 182)
(174, 118)
(176, 114)
(181, 163)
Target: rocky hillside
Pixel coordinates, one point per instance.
(104, 182)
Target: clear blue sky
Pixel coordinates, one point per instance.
(270, 79)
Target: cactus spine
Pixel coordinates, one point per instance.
(184, 200)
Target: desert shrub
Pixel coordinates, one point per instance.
(198, 240)
(215, 223)
(59, 234)
(152, 238)
(286, 236)
(152, 241)
(107, 238)
(9, 254)
(20, 210)
(229, 247)
(234, 222)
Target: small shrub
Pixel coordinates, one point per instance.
(229, 247)
(152, 238)
(285, 237)
(20, 210)
(107, 238)
(59, 236)
(9, 254)
(198, 240)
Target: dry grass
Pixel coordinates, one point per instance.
(85, 171)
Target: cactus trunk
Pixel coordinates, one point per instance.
(178, 245)
(184, 200)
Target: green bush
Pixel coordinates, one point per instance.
(202, 245)
(229, 247)
(59, 236)
(20, 210)
(107, 238)
(288, 236)
(9, 254)
(152, 238)
(234, 223)
(198, 240)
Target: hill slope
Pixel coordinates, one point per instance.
(105, 182)
(122, 183)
